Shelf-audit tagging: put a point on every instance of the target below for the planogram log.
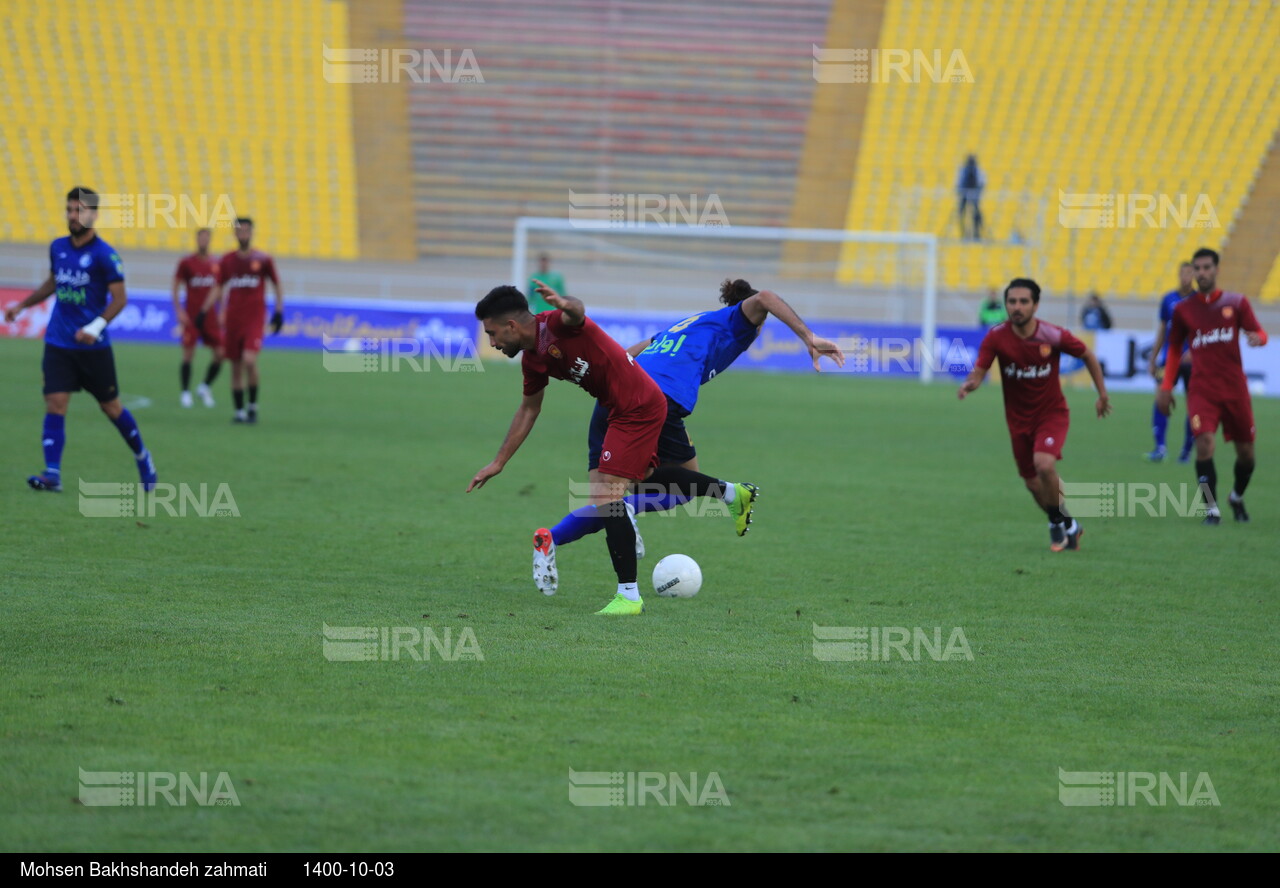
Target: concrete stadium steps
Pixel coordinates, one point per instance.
(678, 99)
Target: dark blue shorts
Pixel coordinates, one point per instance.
(73, 369)
(673, 444)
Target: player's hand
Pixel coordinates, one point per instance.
(484, 475)
(1253, 338)
(184, 319)
(277, 321)
(819, 347)
(11, 313)
(85, 338)
(554, 299)
(969, 385)
(1165, 402)
(199, 320)
(1103, 406)
(1153, 371)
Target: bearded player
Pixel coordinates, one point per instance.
(87, 277)
(1029, 352)
(682, 359)
(564, 343)
(1209, 322)
(242, 279)
(197, 273)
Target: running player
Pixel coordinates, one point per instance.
(1029, 352)
(243, 276)
(1159, 355)
(198, 273)
(564, 343)
(88, 278)
(1210, 323)
(681, 359)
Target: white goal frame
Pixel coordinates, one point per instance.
(929, 309)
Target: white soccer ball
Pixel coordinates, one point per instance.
(677, 576)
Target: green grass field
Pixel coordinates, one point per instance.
(189, 644)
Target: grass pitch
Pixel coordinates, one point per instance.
(188, 644)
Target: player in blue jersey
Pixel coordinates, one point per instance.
(681, 359)
(1160, 354)
(88, 278)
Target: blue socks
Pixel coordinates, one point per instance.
(1159, 426)
(129, 431)
(584, 521)
(53, 438)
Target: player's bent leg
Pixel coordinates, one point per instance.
(1244, 472)
(1049, 498)
(124, 422)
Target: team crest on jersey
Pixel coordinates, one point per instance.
(555, 352)
(1227, 311)
(85, 260)
(1195, 423)
(255, 265)
(1045, 351)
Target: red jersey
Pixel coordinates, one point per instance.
(199, 273)
(244, 280)
(1210, 325)
(1030, 369)
(588, 356)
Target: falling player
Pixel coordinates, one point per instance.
(198, 273)
(1029, 352)
(1210, 323)
(565, 344)
(242, 278)
(1159, 355)
(88, 278)
(681, 359)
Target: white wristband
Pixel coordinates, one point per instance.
(95, 327)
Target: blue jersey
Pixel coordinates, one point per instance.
(82, 275)
(690, 354)
(1167, 305)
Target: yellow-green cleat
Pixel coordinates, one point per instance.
(622, 606)
(743, 505)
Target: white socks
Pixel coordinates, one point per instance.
(730, 493)
(629, 591)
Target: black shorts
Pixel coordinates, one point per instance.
(674, 445)
(73, 369)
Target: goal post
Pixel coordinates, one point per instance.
(597, 237)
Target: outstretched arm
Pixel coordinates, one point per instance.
(635, 350)
(572, 311)
(521, 425)
(35, 297)
(758, 307)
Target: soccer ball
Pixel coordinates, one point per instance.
(677, 576)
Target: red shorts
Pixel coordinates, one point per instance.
(630, 446)
(1046, 436)
(210, 334)
(1235, 415)
(243, 334)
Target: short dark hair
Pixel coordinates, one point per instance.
(244, 220)
(501, 301)
(1029, 284)
(733, 292)
(86, 196)
(1205, 251)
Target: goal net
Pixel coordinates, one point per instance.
(886, 279)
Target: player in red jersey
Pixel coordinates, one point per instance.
(1211, 321)
(198, 273)
(565, 344)
(243, 276)
(1029, 351)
